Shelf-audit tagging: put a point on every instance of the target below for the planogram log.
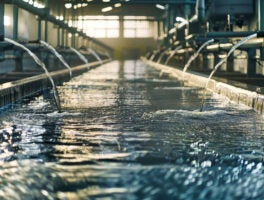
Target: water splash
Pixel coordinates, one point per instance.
(241, 42)
(59, 56)
(96, 55)
(81, 56)
(40, 63)
(172, 54)
(194, 56)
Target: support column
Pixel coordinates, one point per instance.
(261, 24)
(46, 21)
(230, 63)
(63, 30)
(15, 22)
(158, 29)
(18, 60)
(121, 27)
(73, 40)
(251, 65)
(58, 36)
(39, 29)
(67, 38)
(46, 31)
(2, 25)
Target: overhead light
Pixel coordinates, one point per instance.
(107, 9)
(105, 0)
(68, 5)
(118, 5)
(59, 18)
(84, 4)
(160, 6)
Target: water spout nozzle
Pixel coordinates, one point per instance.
(260, 34)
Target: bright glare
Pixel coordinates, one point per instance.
(118, 5)
(7, 21)
(107, 9)
(68, 5)
(160, 6)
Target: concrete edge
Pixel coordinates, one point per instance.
(233, 93)
(11, 92)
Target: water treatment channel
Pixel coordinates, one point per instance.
(127, 133)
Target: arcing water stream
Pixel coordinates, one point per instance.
(81, 56)
(192, 58)
(56, 53)
(172, 54)
(241, 42)
(95, 55)
(40, 63)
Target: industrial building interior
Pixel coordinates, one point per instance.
(130, 29)
(132, 99)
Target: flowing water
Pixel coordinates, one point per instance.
(42, 65)
(194, 56)
(96, 55)
(126, 133)
(82, 57)
(241, 42)
(172, 54)
(59, 56)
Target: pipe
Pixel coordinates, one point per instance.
(228, 34)
(228, 46)
(233, 34)
(199, 12)
(42, 13)
(2, 25)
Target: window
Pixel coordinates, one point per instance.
(137, 27)
(100, 26)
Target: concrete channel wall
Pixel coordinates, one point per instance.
(11, 92)
(248, 97)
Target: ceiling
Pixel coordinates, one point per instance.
(119, 7)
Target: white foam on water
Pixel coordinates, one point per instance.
(61, 114)
(38, 103)
(176, 88)
(185, 113)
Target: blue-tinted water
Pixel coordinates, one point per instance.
(127, 133)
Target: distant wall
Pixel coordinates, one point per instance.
(130, 48)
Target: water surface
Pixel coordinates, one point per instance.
(127, 133)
